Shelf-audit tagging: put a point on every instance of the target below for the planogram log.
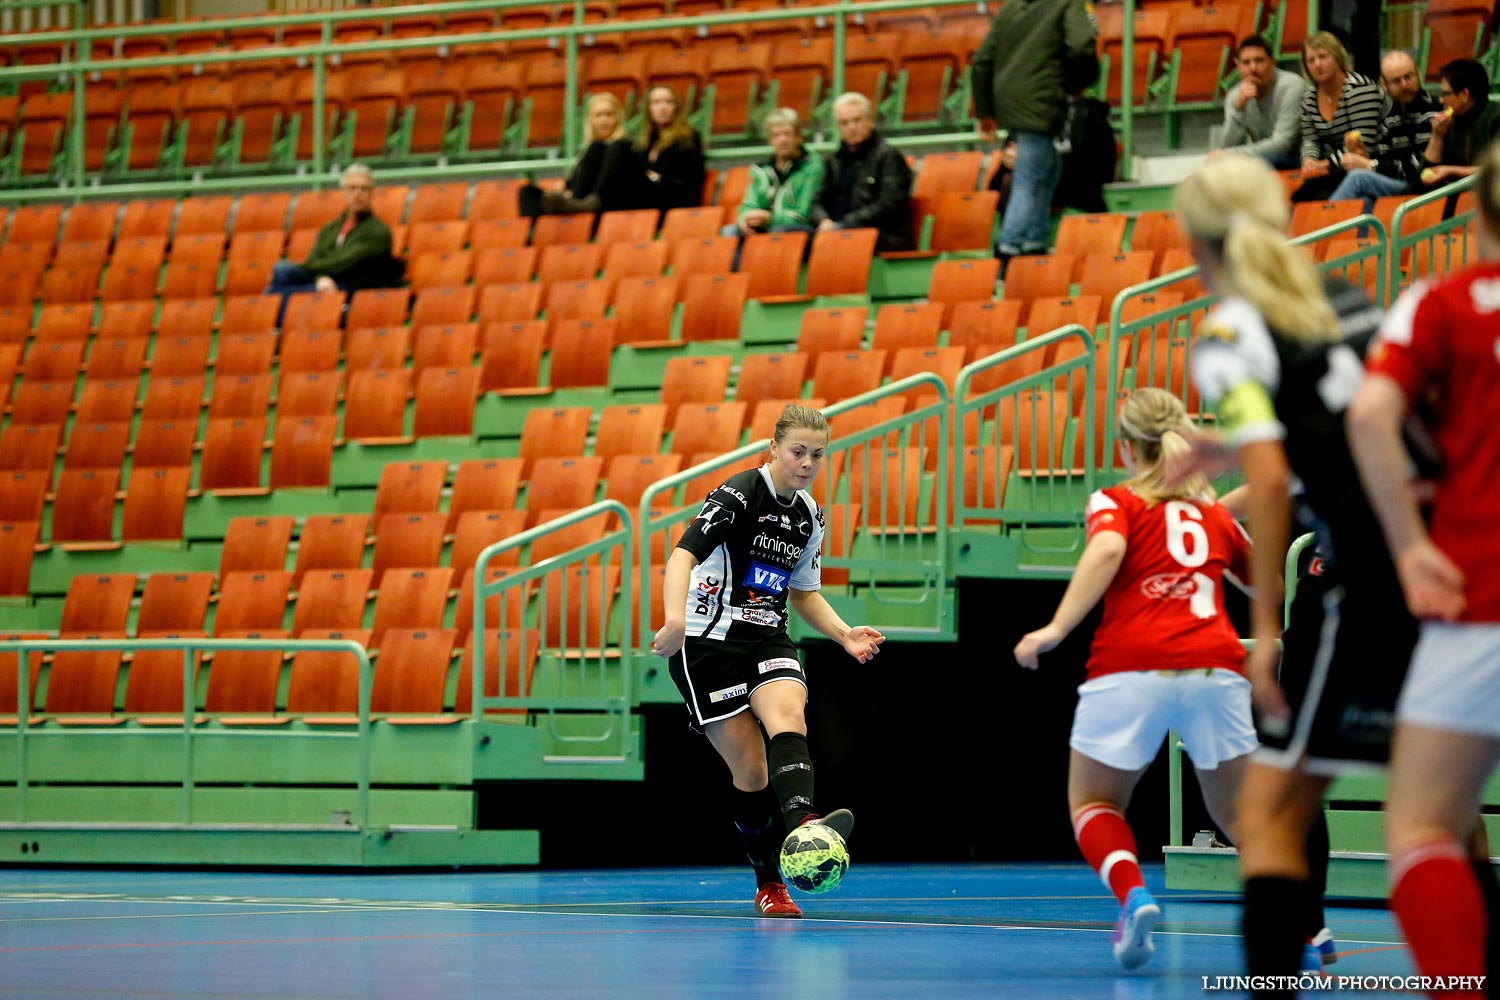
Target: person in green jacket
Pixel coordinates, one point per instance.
(785, 187)
(353, 251)
(1034, 55)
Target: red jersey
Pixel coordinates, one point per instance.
(1164, 610)
(1441, 344)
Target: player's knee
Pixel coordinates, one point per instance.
(751, 775)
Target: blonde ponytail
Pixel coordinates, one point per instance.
(1153, 420)
(1236, 210)
(1280, 281)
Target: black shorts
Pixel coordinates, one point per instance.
(716, 678)
(1345, 654)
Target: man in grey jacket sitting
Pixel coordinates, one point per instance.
(1261, 114)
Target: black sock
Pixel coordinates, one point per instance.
(755, 819)
(1273, 943)
(1489, 886)
(1317, 872)
(791, 776)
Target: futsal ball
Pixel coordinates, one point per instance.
(814, 858)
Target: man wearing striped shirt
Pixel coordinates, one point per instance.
(1392, 161)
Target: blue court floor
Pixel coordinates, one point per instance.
(896, 931)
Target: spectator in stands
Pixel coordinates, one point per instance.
(1263, 115)
(1470, 123)
(867, 183)
(1036, 53)
(351, 252)
(607, 174)
(1340, 100)
(784, 189)
(1393, 161)
(673, 154)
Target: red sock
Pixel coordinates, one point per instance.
(1109, 847)
(1437, 901)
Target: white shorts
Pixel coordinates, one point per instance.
(1454, 680)
(1122, 718)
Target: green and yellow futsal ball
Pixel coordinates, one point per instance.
(814, 858)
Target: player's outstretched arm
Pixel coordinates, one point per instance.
(668, 638)
(1433, 585)
(1209, 453)
(1096, 568)
(860, 641)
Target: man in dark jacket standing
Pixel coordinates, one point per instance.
(351, 252)
(867, 183)
(1035, 53)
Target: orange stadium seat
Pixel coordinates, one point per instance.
(330, 541)
(899, 325)
(694, 380)
(255, 543)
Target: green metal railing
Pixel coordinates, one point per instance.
(1155, 347)
(1293, 556)
(74, 11)
(1041, 422)
(566, 36)
(193, 729)
(573, 595)
(1152, 349)
(78, 183)
(1440, 247)
(894, 455)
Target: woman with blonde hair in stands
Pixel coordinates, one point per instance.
(1280, 358)
(672, 154)
(1340, 101)
(607, 176)
(1164, 656)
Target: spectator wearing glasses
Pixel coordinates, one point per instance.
(1393, 161)
(1469, 122)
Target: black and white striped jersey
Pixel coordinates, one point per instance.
(751, 546)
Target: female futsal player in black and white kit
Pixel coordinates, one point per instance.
(751, 553)
(1280, 357)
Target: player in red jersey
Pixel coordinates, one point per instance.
(1164, 657)
(1440, 347)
